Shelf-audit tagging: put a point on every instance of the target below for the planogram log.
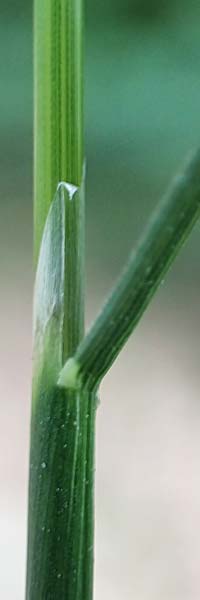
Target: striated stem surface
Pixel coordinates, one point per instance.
(166, 233)
(61, 482)
(61, 489)
(58, 102)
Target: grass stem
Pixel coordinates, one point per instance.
(166, 233)
(61, 482)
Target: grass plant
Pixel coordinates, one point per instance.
(68, 365)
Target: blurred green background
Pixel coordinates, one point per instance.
(142, 118)
(142, 108)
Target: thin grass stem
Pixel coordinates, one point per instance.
(61, 482)
(166, 233)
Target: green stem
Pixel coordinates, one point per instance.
(60, 522)
(58, 112)
(166, 233)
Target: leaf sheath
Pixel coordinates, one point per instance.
(60, 539)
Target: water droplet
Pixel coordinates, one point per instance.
(43, 528)
(65, 446)
(59, 575)
(43, 465)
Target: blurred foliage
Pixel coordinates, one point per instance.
(142, 109)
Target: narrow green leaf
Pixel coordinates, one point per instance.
(166, 233)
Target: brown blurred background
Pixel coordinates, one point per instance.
(142, 119)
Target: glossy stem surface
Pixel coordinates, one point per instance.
(61, 482)
(58, 102)
(60, 559)
(61, 488)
